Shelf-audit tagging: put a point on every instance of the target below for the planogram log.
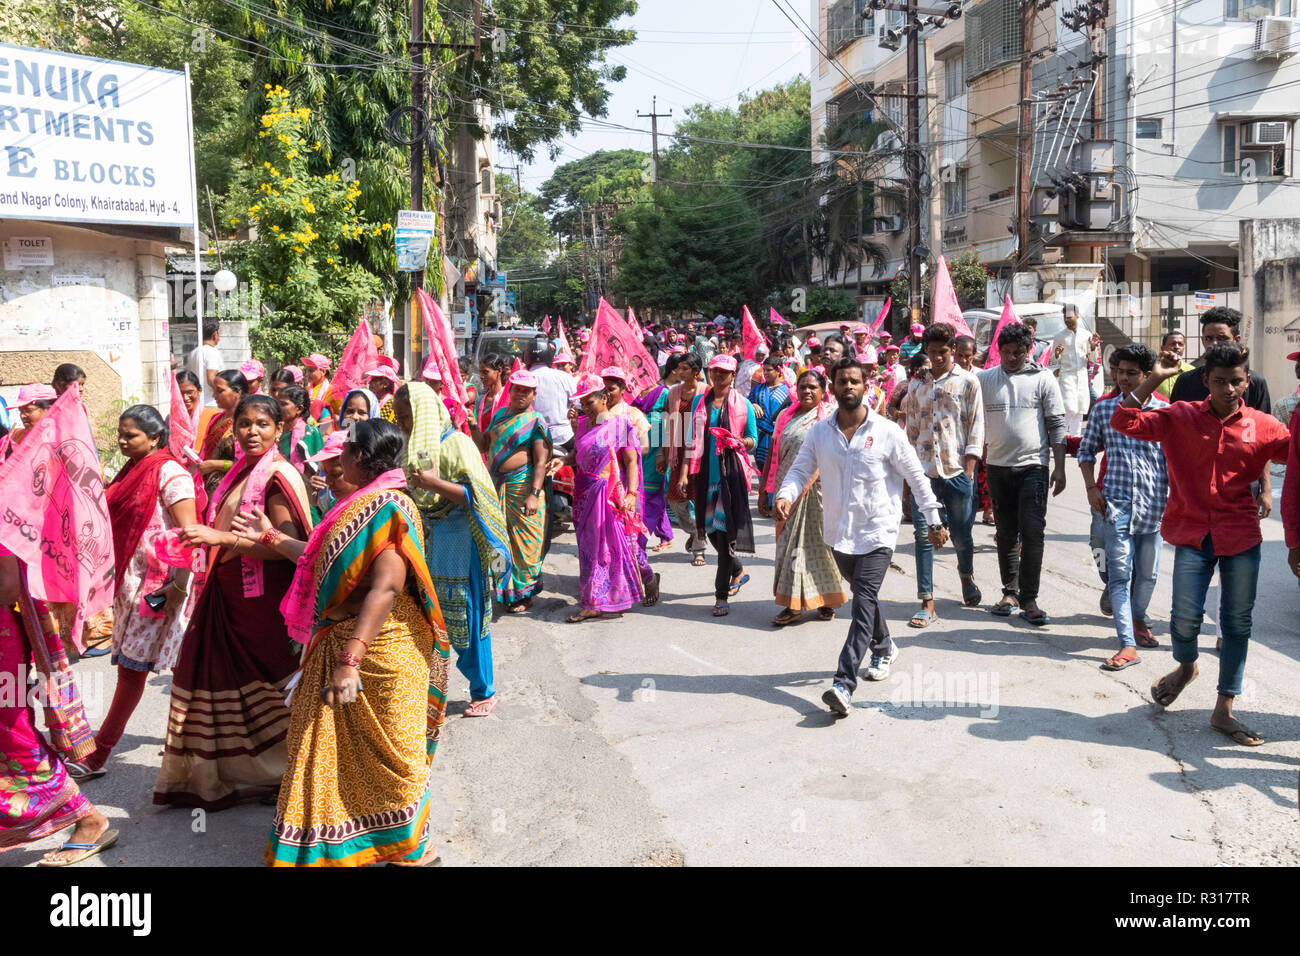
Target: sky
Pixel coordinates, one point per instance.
(686, 52)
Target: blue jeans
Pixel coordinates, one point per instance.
(1238, 576)
(1132, 563)
(1097, 542)
(957, 510)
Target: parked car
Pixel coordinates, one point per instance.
(1050, 316)
(514, 343)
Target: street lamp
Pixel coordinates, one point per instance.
(225, 281)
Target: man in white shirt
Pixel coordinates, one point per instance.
(863, 460)
(1071, 349)
(211, 359)
(554, 390)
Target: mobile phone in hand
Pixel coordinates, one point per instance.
(157, 599)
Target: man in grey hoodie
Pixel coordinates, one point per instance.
(1023, 416)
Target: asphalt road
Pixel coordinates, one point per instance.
(669, 737)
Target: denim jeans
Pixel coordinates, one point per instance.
(1238, 576)
(1020, 512)
(1132, 563)
(957, 511)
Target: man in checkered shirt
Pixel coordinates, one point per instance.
(1131, 501)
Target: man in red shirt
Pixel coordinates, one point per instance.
(1291, 497)
(1214, 449)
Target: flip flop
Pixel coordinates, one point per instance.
(81, 773)
(1239, 733)
(737, 585)
(1117, 663)
(106, 839)
(1042, 620)
(720, 609)
(826, 614)
(1003, 610)
(786, 617)
(971, 595)
(1144, 637)
(480, 708)
(698, 561)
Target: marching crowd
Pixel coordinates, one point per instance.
(309, 564)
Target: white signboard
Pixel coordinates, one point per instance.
(89, 140)
(22, 252)
(414, 236)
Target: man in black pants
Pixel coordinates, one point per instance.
(1023, 415)
(863, 460)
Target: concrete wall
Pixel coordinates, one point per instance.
(1270, 297)
(101, 304)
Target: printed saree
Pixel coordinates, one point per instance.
(356, 782)
(507, 434)
(806, 576)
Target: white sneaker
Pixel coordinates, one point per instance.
(878, 669)
(837, 699)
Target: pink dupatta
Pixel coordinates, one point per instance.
(253, 495)
(737, 415)
(823, 409)
(299, 604)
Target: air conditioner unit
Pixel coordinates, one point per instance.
(1275, 37)
(889, 223)
(1265, 133)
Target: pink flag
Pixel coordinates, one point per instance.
(442, 349)
(946, 308)
(182, 431)
(880, 319)
(613, 343)
(775, 316)
(546, 325)
(55, 515)
(359, 357)
(750, 336)
(564, 342)
(1008, 317)
(635, 325)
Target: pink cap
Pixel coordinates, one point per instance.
(383, 372)
(35, 393)
(813, 340)
(886, 334)
(727, 362)
(892, 348)
(917, 328)
(614, 371)
(431, 371)
(333, 446)
(523, 378)
(253, 369)
(295, 371)
(589, 382)
(388, 361)
(584, 335)
(316, 360)
(564, 357)
(861, 330)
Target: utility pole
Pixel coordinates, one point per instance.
(913, 159)
(418, 104)
(1025, 134)
(654, 118)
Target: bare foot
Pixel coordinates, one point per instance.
(1166, 690)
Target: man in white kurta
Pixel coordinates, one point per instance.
(1070, 351)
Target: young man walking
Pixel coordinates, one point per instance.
(1128, 505)
(1023, 417)
(863, 460)
(944, 411)
(1213, 448)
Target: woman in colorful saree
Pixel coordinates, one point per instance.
(492, 371)
(654, 477)
(806, 576)
(518, 446)
(723, 432)
(677, 413)
(228, 718)
(151, 495)
(464, 529)
(217, 433)
(369, 701)
(606, 460)
(37, 796)
(769, 398)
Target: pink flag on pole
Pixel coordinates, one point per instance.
(55, 515)
(1008, 317)
(635, 325)
(880, 319)
(946, 308)
(613, 343)
(750, 335)
(775, 316)
(442, 349)
(564, 342)
(359, 357)
(546, 325)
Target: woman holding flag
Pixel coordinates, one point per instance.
(152, 495)
(228, 718)
(518, 447)
(607, 474)
(723, 432)
(466, 539)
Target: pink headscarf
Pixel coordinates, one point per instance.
(254, 495)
